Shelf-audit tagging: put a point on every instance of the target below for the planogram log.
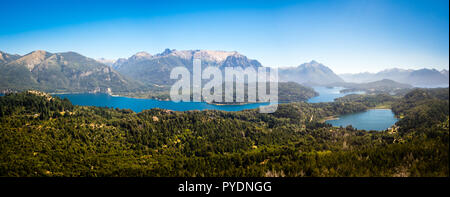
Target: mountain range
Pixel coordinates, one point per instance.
(155, 69)
(312, 73)
(60, 72)
(143, 72)
(149, 68)
(381, 86)
(422, 77)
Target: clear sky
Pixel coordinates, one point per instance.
(347, 35)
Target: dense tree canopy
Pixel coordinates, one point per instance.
(45, 136)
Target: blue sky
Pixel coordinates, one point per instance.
(346, 35)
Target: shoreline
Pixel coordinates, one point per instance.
(245, 103)
(379, 108)
(329, 118)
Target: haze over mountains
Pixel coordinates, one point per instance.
(149, 69)
(312, 73)
(421, 77)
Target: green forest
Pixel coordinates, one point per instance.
(41, 135)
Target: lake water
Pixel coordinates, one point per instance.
(373, 119)
(137, 105)
(328, 94)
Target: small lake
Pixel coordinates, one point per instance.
(137, 105)
(372, 119)
(328, 94)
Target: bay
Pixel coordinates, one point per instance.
(328, 94)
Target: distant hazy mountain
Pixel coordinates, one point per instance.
(60, 72)
(381, 86)
(312, 73)
(108, 62)
(385, 83)
(155, 69)
(422, 77)
(445, 73)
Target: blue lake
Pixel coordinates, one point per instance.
(373, 119)
(328, 94)
(137, 105)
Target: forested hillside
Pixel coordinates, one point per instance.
(422, 109)
(45, 136)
